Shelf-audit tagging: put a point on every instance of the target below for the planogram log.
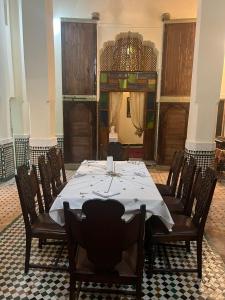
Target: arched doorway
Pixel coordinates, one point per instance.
(128, 65)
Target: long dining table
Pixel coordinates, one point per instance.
(129, 182)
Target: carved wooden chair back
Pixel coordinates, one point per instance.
(46, 181)
(36, 188)
(104, 234)
(27, 195)
(202, 195)
(175, 168)
(62, 165)
(56, 162)
(186, 182)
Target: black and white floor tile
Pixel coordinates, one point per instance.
(41, 284)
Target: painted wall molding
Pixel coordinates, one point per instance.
(200, 146)
(21, 136)
(173, 99)
(43, 142)
(6, 141)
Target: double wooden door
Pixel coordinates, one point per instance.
(79, 130)
(79, 46)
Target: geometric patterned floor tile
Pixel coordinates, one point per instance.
(41, 284)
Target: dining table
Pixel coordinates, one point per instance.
(128, 182)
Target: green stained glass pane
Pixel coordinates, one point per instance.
(151, 101)
(103, 77)
(103, 102)
(132, 78)
(150, 119)
(152, 84)
(123, 83)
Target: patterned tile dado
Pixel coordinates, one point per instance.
(60, 142)
(6, 161)
(204, 158)
(22, 151)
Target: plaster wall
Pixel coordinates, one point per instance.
(6, 77)
(19, 105)
(39, 66)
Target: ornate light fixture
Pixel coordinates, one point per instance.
(128, 53)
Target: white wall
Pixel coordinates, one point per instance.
(19, 104)
(115, 17)
(39, 67)
(6, 77)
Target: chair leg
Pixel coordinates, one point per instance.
(72, 288)
(188, 246)
(199, 258)
(152, 250)
(27, 254)
(138, 290)
(40, 243)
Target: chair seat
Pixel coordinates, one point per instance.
(183, 229)
(127, 266)
(45, 226)
(174, 204)
(164, 189)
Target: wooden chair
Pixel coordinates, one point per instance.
(169, 189)
(115, 149)
(103, 248)
(186, 228)
(181, 203)
(46, 182)
(37, 224)
(62, 165)
(57, 166)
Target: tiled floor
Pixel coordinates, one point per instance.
(9, 204)
(54, 285)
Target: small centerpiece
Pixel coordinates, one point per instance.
(113, 174)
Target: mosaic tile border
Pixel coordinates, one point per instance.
(7, 167)
(22, 151)
(204, 158)
(60, 142)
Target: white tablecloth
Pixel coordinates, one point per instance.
(132, 185)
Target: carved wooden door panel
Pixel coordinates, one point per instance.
(79, 48)
(79, 131)
(172, 130)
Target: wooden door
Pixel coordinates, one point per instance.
(177, 60)
(79, 48)
(79, 131)
(172, 130)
